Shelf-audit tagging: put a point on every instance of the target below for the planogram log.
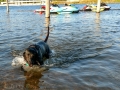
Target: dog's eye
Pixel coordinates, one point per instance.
(28, 54)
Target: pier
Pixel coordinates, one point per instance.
(22, 2)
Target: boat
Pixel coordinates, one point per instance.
(69, 9)
(55, 9)
(105, 6)
(87, 8)
(41, 10)
(92, 7)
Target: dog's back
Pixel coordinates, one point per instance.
(44, 49)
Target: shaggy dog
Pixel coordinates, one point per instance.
(35, 53)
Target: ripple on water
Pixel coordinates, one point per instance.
(86, 46)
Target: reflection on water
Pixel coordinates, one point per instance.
(86, 49)
(32, 80)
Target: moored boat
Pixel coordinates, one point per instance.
(91, 7)
(105, 6)
(71, 9)
(87, 8)
(94, 8)
(55, 9)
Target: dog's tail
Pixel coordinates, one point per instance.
(47, 35)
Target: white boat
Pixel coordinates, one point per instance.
(87, 8)
(105, 6)
(91, 7)
(54, 9)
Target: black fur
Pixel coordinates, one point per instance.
(34, 54)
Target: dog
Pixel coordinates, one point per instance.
(35, 53)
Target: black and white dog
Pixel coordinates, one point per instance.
(35, 53)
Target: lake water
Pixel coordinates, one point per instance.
(87, 47)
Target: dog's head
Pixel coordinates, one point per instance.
(30, 56)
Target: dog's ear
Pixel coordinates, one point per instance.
(27, 57)
(24, 54)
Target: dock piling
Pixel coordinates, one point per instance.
(98, 6)
(47, 10)
(7, 5)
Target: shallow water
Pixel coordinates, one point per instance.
(87, 47)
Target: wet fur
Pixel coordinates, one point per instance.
(34, 54)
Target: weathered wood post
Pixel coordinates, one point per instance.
(47, 10)
(47, 22)
(7, 5)
(98, 6)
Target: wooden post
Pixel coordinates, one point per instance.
(98, 6)
(7, 5)
(47, 22)
(47, 10)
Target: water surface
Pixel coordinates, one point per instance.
(87, 47)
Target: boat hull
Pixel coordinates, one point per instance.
(95, 9)
(87, 10)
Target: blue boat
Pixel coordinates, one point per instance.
(69, 9)
(55, 9)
